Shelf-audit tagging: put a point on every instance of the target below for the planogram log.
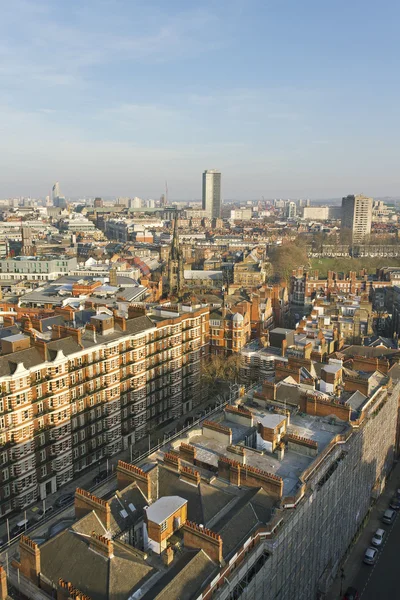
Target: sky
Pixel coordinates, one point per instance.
(115, 97)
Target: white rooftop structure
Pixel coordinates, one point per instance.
(163, 508)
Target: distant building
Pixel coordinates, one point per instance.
(357, 216)
(316, 213)
(304, 203)
(27, 244)
(58, 200)
(241, 214)
(291, 210)
(98, 203)
(249, 273)
(211, 199)
(36, 268)
(230, 328)
(55, 192)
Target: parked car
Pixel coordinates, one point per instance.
(64, 500)
(351, 594)
(378, 537)
(41, 513)
(370, 556)
(388, 516)
(20, 527)
(395, 503)
(100, 476)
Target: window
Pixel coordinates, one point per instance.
(163, 526)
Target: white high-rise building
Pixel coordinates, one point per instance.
(291, 209)
(55, 192)
(357, 216)
(212, 193)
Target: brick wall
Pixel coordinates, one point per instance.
(269, 390)
(187, 452)
(238, 474)
(239, 415)
(302, 445)
(195, 536)
(29, 558)
(85, 502)
(217, 432)
(354, 384)
(189, 475)
(102, 545)
(3, 584)
(127, 474)
(66, 591)
(312, 405)
(172, 460)
(282, 370)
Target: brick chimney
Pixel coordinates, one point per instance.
(197, 536)
(66, 591)
(101, 545)
(190, 476)
(168, 556)
(29, 558)
(3, 584)
(136, 310)
(85, 502)
(187, 452)
(127, 474)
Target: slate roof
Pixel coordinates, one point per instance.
(185, 578)
(29, 357)
(126, 508)
(68, 556)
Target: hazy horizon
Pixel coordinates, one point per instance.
(113, 98)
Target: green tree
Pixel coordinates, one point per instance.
(219, 371)
(287, 257)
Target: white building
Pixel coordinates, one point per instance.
(316, 213)
(211, 198)
(241, 214)
(357, 216)
(36, 268)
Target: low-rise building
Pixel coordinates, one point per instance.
(36, 268)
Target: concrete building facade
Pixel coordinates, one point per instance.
(211, 196)
(357, 216)
(36, 268)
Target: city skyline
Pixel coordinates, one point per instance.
(114, 98)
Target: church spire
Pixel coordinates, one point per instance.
(175, 263)
(175, 240)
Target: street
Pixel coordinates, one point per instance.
(383, 579)
(380, 581)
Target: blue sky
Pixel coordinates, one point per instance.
(113, 97)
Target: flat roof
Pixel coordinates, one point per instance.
(331, 368)
(163, 508)
(18, 337)
(293, 464)
(271, 420)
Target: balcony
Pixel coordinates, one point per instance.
(59, 464)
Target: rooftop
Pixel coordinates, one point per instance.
(293, 464)
(164, 508)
